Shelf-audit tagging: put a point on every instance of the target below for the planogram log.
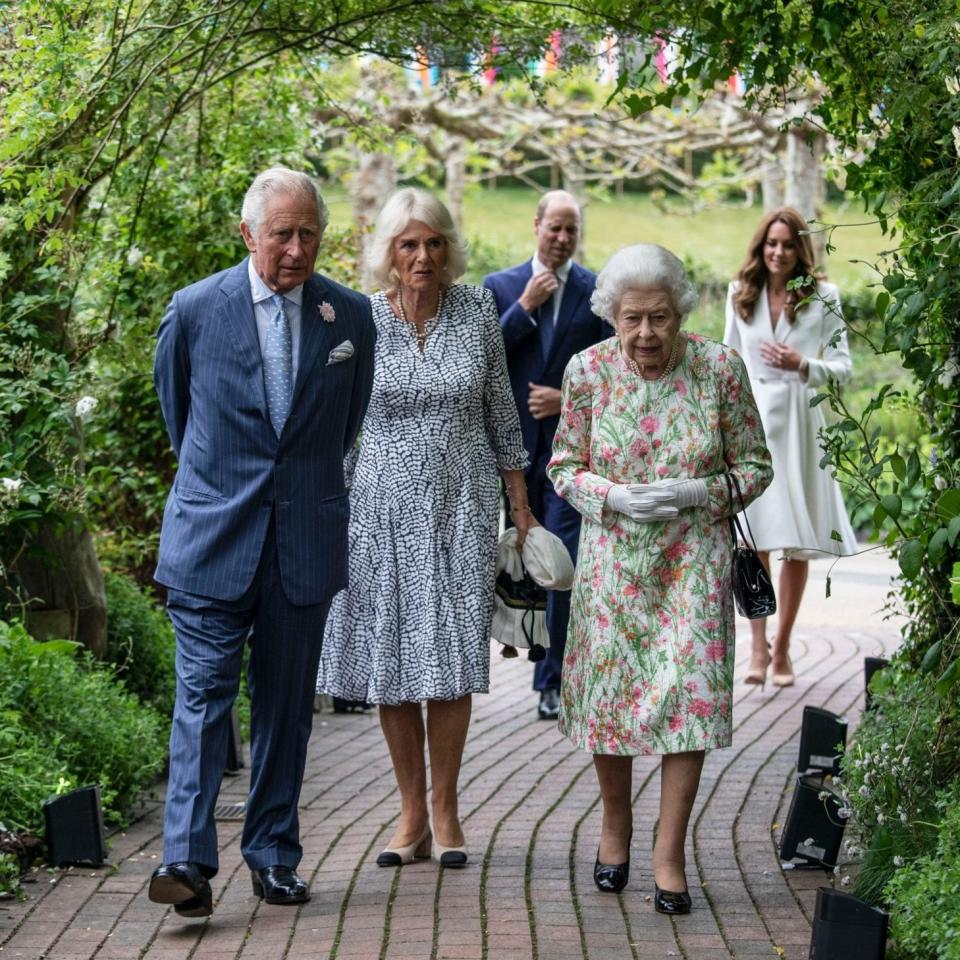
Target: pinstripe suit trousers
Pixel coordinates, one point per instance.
(285, 650)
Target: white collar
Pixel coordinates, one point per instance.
(262, 292)
(562, 272)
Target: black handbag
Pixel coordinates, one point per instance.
(752, 589)
(528, 596)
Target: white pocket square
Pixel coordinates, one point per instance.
(343, 351)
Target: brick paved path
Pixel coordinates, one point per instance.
(531, 816)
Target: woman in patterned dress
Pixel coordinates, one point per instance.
(789, 350)
(651, 422)
(413, 624)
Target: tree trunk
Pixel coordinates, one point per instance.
(64, 588)
(376, 179)
(456, 175)
(772, 183)
(804, 174)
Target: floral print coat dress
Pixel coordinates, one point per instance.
(650, 648)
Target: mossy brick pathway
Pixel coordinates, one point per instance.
(531, 816)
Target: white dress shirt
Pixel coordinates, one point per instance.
(264, 311)
(562, 272)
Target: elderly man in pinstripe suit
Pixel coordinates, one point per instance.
(263, 373)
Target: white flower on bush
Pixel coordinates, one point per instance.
(845, 882)
(881, 817)
(898, 861)
(85, 406)
(949, 373)
(134, 257)
(11, 484)
(940, 482)
(844, 813)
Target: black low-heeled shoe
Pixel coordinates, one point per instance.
(670, 903)
(280, 885)
(612, 877)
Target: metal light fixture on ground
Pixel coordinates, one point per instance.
(74, 828)
(814, 828)
(823, 735)
(846, 928)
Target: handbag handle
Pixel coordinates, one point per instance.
(735, 528)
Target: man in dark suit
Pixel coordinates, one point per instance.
(263, 372)
(545, 317)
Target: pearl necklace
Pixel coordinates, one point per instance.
(671, 362)
(428, 325)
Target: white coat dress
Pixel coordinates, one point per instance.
(798, 511)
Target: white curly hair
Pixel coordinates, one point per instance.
(643, 265)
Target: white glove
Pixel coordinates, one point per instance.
(690, 493)
(642, 502)
(663, 500)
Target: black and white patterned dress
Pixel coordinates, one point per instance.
(414, 621)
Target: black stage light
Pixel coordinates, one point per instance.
(74, 828)
(823, 735)
(846, 928)
(234, 762)
(813, 830)
(870, 666)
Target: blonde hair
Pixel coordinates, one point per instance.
(397, 213)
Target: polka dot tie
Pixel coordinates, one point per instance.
(278, 366)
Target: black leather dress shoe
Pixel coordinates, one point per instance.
(185, 886)
(549, 706)
(280, 884)
(673, 904)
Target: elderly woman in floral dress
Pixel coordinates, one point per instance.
(652, 421)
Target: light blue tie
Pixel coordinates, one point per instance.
(278, 366)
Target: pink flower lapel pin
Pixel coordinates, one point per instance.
(327, 312)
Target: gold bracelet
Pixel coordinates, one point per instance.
(524, 509)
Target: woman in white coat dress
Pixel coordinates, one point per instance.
(789, 351)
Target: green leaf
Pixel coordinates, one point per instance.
(891, 504)
(955, 584)
(937, 548)
(911, 558)
(948, 678)
(953, 529)
(913, 468)
(898, 466)
(881, 303)
(894, 281)
(948, 505)
(931, 659)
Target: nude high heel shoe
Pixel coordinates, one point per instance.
(785, 678)
(398, 856)
(757, 676)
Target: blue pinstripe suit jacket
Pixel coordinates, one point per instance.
(234, 472)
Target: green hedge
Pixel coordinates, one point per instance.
(140, 644)
(924, 894)
(66, 721)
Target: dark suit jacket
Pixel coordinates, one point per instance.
(577, 328)
(234, 472)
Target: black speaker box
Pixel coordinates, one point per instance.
(870, 666)
(74, 828)
(813, 831)
(822, 736)
(234, 745)
(846, 928)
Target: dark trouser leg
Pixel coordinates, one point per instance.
(210, 636)
(282, 675)
(560, 518)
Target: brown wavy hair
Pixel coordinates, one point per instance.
(753, 273)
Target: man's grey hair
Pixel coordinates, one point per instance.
(397, 213)
(642, 265)
(280, 180)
